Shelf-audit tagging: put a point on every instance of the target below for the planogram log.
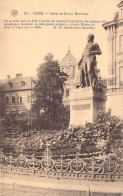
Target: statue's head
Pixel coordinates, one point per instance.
(90, 37)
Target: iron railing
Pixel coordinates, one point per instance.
(108, 168)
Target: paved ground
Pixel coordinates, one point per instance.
(7, 192)
(17, 185)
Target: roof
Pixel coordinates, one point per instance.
(22, 83)
(120, 4)
(115, 21)
(108, 24)
(68, 60)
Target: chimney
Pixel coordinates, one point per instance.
(19, 75)
(8, 76)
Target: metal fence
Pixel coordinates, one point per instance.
(108, 168)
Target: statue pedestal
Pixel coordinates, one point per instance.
(85, 104)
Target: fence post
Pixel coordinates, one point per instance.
(61, 165)
(1, 155)
(93, 162)
(47, 158)
(33, 162)
(87, 191)
(11, 161)
(21, 157)
(109, 165)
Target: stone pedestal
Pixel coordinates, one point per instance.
(85, 104)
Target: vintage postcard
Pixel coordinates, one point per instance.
(61, 66)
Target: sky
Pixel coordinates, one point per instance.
(22, 50)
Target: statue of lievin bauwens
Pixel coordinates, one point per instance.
(88, 62)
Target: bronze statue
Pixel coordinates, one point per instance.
(88, 62)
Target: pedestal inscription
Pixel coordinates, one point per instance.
(81, 107)
(85, 104)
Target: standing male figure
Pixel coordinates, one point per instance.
(88, 61)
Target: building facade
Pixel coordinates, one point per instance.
(17, 96)
(114, 30)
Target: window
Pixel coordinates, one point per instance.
(121, 43)
(111, 81)
(13, 99)
(67, 92)
(62, 69)
(20, 99)
(109, 50)
(29, 99)
(109, 70)
(113, 70)
(69, 71)
(22, 83)
(74, 70)
(121, 76)
(122, 13)
(9, 84)
(7, 99)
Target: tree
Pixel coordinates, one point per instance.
(48, 94)
(0, 100)
(14, 124)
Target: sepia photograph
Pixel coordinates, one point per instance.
(61, 98)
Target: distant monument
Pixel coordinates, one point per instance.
(89, 99)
